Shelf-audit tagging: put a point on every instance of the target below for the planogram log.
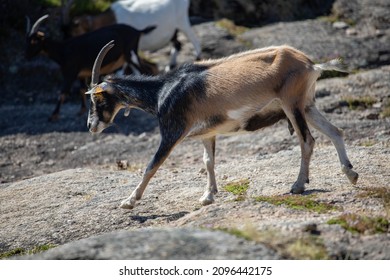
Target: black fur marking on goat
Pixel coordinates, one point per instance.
(107, 105)
(301, 123)
(259, 121)
(138, 91)
(182, 85)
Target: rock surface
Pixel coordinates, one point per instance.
(60, 185)
(157, 244)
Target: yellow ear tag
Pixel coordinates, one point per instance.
(98, 89)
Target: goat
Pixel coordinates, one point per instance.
(240, 93)
(168, 16)
(77, 55)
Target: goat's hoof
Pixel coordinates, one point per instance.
(352, 175)
(127, 204)
(297, 188)
(207, 199)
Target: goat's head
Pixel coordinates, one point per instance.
(34, 38)
(105, 101)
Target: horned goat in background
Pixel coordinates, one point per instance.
(169, 17)
(239, 93)
(76, 56)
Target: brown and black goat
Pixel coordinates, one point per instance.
(76, 56)
(240, 93)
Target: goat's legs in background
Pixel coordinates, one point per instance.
(174, 52)
(320, 123)
(83, 107)
(56, 113)
(209, 160)
(189, 32)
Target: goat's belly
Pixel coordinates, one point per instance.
(205, 130)
(212, 127)
(155, 40)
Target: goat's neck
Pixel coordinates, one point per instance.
(141, 92)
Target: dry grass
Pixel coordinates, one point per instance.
(361, 224)
(303, 247)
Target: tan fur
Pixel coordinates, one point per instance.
(254, 80)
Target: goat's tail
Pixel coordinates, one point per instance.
(148, 29)
(334, 64)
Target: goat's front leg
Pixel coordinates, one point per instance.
(176, 47)
(162, 153)
(208, 159)
(83, 107)
(56, 113)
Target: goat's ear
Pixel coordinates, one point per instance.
(40, 35)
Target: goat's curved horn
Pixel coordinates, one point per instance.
(98, 63)
(37, 23)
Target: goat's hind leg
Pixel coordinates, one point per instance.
(306, 140)
(208, 159)
(318, 121)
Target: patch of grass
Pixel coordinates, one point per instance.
(307, 248)
(383, 193)
(238, 188)
(231, 27)
(361, 224)
(236, 232)
(22, 251)
(297, 247)
(385, 112)
(362, 102)
(368, 143)
(333, 18)
(13, 252)
(298, 202)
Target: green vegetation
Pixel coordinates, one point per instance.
(80, 6)
(238, 188)
(298, 202)
(385, 113)
(362, 102)
(368, 143)
(236, 232)
(361, 224)
(333, 18)
(231, 27)
(22, 251)
(308, 247)
(383, 193)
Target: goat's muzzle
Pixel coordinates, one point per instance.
(93, 124)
